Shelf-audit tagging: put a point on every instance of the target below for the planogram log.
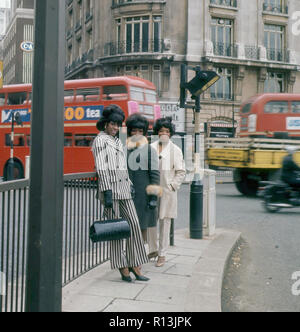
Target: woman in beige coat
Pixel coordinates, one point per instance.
(172, 174)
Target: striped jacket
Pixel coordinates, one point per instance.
(111, 166)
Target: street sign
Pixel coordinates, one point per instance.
(27, 46)
(1, 74)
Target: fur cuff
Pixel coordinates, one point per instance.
(154, 190)
(135, 142)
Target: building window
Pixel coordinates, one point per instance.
(222, 36)
(275, 42)
(137, 34)
(89, 40)
(275, 6)
(141, 34)
(149, 72)
(274, 83)
(223, 88)
(227, 3)
(157, 27)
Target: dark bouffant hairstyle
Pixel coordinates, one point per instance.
(112, 113)
(164, 123)
(137, 121)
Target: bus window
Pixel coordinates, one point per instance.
(296, 107)
(84, 139)
(2, 99)
(115, 92)
(136, 93)
(69, 96)
(28, 140)
(277, 107)
(19, 140)
(16, 98)
(246, 108)
(88, 94)
(68, 139)
(151, 96)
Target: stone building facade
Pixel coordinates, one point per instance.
(17, 62)
(253, 45)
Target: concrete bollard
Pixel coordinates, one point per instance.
(209, 202)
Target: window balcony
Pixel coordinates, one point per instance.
(276, 9)
(225, 3)
(279, 55)
(227, 50)
(116, 3)
(128, 47)
(251, 52)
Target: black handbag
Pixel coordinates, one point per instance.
(110, 230)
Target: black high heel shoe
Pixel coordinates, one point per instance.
(137, 276)
(125, 278)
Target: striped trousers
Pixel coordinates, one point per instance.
(130, 252)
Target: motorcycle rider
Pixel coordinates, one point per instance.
(290, 169)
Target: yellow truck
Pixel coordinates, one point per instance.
(252, 159)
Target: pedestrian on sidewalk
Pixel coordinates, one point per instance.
(172, 174)
(143, 171)
(115, 193)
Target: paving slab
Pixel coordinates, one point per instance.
(120, 305)
(190, 281)
(86, 303)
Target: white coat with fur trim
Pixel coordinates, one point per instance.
(172, 174)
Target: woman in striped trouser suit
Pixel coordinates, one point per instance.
(115, 193)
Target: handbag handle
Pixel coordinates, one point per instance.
(104, 213)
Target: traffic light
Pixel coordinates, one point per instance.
(18, 119)
(201, 82)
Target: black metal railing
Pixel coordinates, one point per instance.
(116, 3)
(251, 52)
(13, 234)
(81, 208)
(226, 3)
(128, 47)
(280, 8)
(279, 55)
(223, 49)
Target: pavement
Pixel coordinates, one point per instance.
(190, 281)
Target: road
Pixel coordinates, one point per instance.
(260, 274)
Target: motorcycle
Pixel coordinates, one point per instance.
(278, 195)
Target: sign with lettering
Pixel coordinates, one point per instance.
(293, 123)
(170, 109)
(27, 46)
(83, 113)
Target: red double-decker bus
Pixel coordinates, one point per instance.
(275, 115)
(84, 103)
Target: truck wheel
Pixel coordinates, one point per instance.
(18, 172)
(246, 186)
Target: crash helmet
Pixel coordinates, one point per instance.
(291, 149)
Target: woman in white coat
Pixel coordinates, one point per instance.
(172, 174)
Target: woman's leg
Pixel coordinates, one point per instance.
(118, 258)
(135, 248)
(164, 236)
(152, 239)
